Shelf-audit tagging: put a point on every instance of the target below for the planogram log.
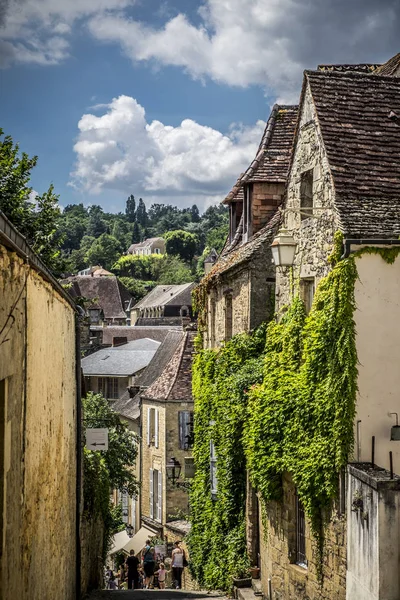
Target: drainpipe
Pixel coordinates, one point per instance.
(347, 243)
(78, 316)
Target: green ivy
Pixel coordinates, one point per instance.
(221, 379)
(288, 406)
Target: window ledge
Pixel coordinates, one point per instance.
(298, 571)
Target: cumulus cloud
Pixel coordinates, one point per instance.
(120, 150)
(262, 42)
(38, 31)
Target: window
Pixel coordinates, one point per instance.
(212, 322)
(300, 535)
(307, 291)
(125, 506)
(155, 494)
(185, 422)
(94, 315)
(248, 194)
(306, 194)
(213, 469)
(157, 251)
(152, 426)
(108, 386)
(228, 317)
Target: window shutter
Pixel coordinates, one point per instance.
(159, 505)
(148, 425)
(156, 427)
(181, 429)
(151, 512)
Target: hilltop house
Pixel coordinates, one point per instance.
(164, 305)
(154, 245)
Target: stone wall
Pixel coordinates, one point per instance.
(173, 535)
(315, 234)
(278, 553)
(176, 499)
(152, 457)
(37, 376)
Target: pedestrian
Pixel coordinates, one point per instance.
(132, 563)
(148, 564)
(178, 559)
(112, 584)
(161, 573)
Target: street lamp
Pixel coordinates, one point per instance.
(283, 248)
(173, 468)
(129, 530)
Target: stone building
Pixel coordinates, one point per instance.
(345, 176)
(165, 305)
(39, 408)
(241, 284)
(167, 431)
(150, 246)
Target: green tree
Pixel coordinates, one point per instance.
(141, 214)
(173, 271)
(130, 210)
(96, 224)
(135, 238)
(37, 220)
(194, 214)
(104, 251)
(181, 243)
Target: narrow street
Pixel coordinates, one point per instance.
(153, 595)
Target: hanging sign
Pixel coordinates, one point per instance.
(97, 439)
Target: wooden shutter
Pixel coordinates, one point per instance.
(159, 504)
(156, 427)
(148, 426)
(151, 512)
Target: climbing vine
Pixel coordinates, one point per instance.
(217, 540)
(288, 406)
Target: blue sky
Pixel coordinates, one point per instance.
(175, 93)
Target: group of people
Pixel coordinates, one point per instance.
(137, 575)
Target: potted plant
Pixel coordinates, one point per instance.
(255, 572)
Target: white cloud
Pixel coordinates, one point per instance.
(120, 150)
(262, 42)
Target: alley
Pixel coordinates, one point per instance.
(153, 595)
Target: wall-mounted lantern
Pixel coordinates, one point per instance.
(395, 432)
(283, 248)
(173, 468)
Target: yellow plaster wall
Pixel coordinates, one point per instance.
(38, 360)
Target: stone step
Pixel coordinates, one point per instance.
(256, 585)
(246, 594)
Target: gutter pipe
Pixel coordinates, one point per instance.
(78, 316)
(347, 243)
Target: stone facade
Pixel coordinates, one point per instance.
(38, 432)
(278, 553)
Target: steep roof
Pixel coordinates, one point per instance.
(363, 147)
(391, 68)
(158, 333)
(109, 293)
(121, 361)
(128, 407)
(161, 295)
(272, 159)
(160, 360)
(175, 383)
(145, 243)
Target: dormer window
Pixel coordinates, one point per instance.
(306, 194)
(248, 193)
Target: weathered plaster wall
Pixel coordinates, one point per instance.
(37, 356)
(373, 516)
(278, 544)
(377, 294)
(314, 235)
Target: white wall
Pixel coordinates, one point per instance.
(377, 318)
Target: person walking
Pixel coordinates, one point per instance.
(148, 564)
(132, 563)
(162, 573)
(178, 557)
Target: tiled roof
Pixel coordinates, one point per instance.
(161, 295)
(144, 244)
(128, 407)
(121, 361)
(363, 148)
(357, 68)
(134, 333)
(271, 162)
(109, 293)
(391, 68)
(175, 383)
(247, 251)
(160, 359)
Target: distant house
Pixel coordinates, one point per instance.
(109, 297)
(154, 245)
(95, 271)
(111, 371)
(164, 305)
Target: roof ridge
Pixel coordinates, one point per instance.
(349, 75)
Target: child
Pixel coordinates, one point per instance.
(112, 584)
(161, 576)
